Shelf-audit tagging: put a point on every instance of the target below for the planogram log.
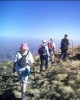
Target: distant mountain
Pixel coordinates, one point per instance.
(9, 47)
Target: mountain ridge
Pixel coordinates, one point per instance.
(61, 81)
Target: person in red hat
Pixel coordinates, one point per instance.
(23, 60)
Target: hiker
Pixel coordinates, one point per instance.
(44, 54)
(64, 47)
(22, 63)
(52, 49)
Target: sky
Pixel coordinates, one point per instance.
(40, 19)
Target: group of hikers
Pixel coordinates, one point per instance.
(47, 51)
(24, 59)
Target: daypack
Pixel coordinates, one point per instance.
(22, 62)
(42, 51)
(50, 45)
(64, 44)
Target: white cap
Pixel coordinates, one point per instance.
(44, 41)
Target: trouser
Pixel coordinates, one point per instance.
(43, 58)
(51, 52)
(63, 54)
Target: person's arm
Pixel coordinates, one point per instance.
(14, 65)
(31, 62)
(47, 50)
(31, 59)
(54, 46)
(68, 42)
(62, 42)
(15, 62)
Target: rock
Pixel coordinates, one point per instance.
(33, 92)
(78, 92)
(17, 94)
(65, 91)
(0, 78)
(40, 82)
(57, 83)
(77, 79)
(61, 76)
(45, 84)
(4, 67)
(72, 83)
(53, 95)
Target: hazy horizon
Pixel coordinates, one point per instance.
(9, 47)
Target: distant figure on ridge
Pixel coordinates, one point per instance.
(22, 63)
(44, 54)
(64, 47)
(52, 49)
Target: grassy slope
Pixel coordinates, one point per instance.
(59, 82)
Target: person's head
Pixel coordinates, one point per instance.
(65, 35)
(44, 42)
(24, 47)
(51, 39)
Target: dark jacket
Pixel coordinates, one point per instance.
(64, 44)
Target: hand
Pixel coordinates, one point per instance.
(50, 56)
(14, 69)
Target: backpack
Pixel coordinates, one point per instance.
(42, 51)
(64, 44)
(22, 62)
(50, 46)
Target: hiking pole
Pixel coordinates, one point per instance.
(34, 69)
(50, 59)
(57, 59)
(72, 47)
(55, 56)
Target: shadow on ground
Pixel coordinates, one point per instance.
(8, 95)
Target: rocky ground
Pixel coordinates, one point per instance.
(61, 81)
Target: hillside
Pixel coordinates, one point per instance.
(60, 82)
